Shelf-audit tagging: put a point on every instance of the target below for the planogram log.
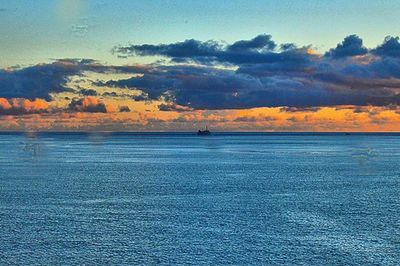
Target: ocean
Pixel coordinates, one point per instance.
(183, 199)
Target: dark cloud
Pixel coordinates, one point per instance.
(390, 47)
(210, 88)
(255, 51)
(40, 80)
(186, 49)
(124, 109)
(174, 107)
(88, 104)
(259, 42)
(288, 46)
(110, 94)
(299, 109)
(245, 74)
(140, 98)
(88, 92)
(351, 46)
(265, 76)
(36, 81)
(254, 119)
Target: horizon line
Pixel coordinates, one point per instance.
(195, 132)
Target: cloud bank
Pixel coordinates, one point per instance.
(19, 106)
(245, 74)
(40, 80)
(260, 73)
(90, 104)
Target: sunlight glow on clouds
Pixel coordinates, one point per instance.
(248, 85)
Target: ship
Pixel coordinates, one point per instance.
(204, 132)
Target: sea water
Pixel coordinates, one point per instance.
(242, 199)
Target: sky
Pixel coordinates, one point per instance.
(76, 65)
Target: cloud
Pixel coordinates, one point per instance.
(124, 109)
(140, 97)
(90, 104)
(265, 76)
(390, 47)
(210, 88)
(254, 119)
(174, 107)
(186, 49)
(259, 42)
(88, 92)
(19, 106)
(110, 94)
(214, 76)
(40, 80)
(299, 109)
(352, 45)
(256, 51)
(36, 81)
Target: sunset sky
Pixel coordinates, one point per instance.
(76, 65)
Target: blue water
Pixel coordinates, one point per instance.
(242, 199)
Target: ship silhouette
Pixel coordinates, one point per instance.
(204, 132)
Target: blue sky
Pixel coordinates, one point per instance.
(288, 65)
(35, 31)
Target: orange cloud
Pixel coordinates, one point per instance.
(19, 106)
(91, 104)
(174, 107)
(92, 114)
(5, 104)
